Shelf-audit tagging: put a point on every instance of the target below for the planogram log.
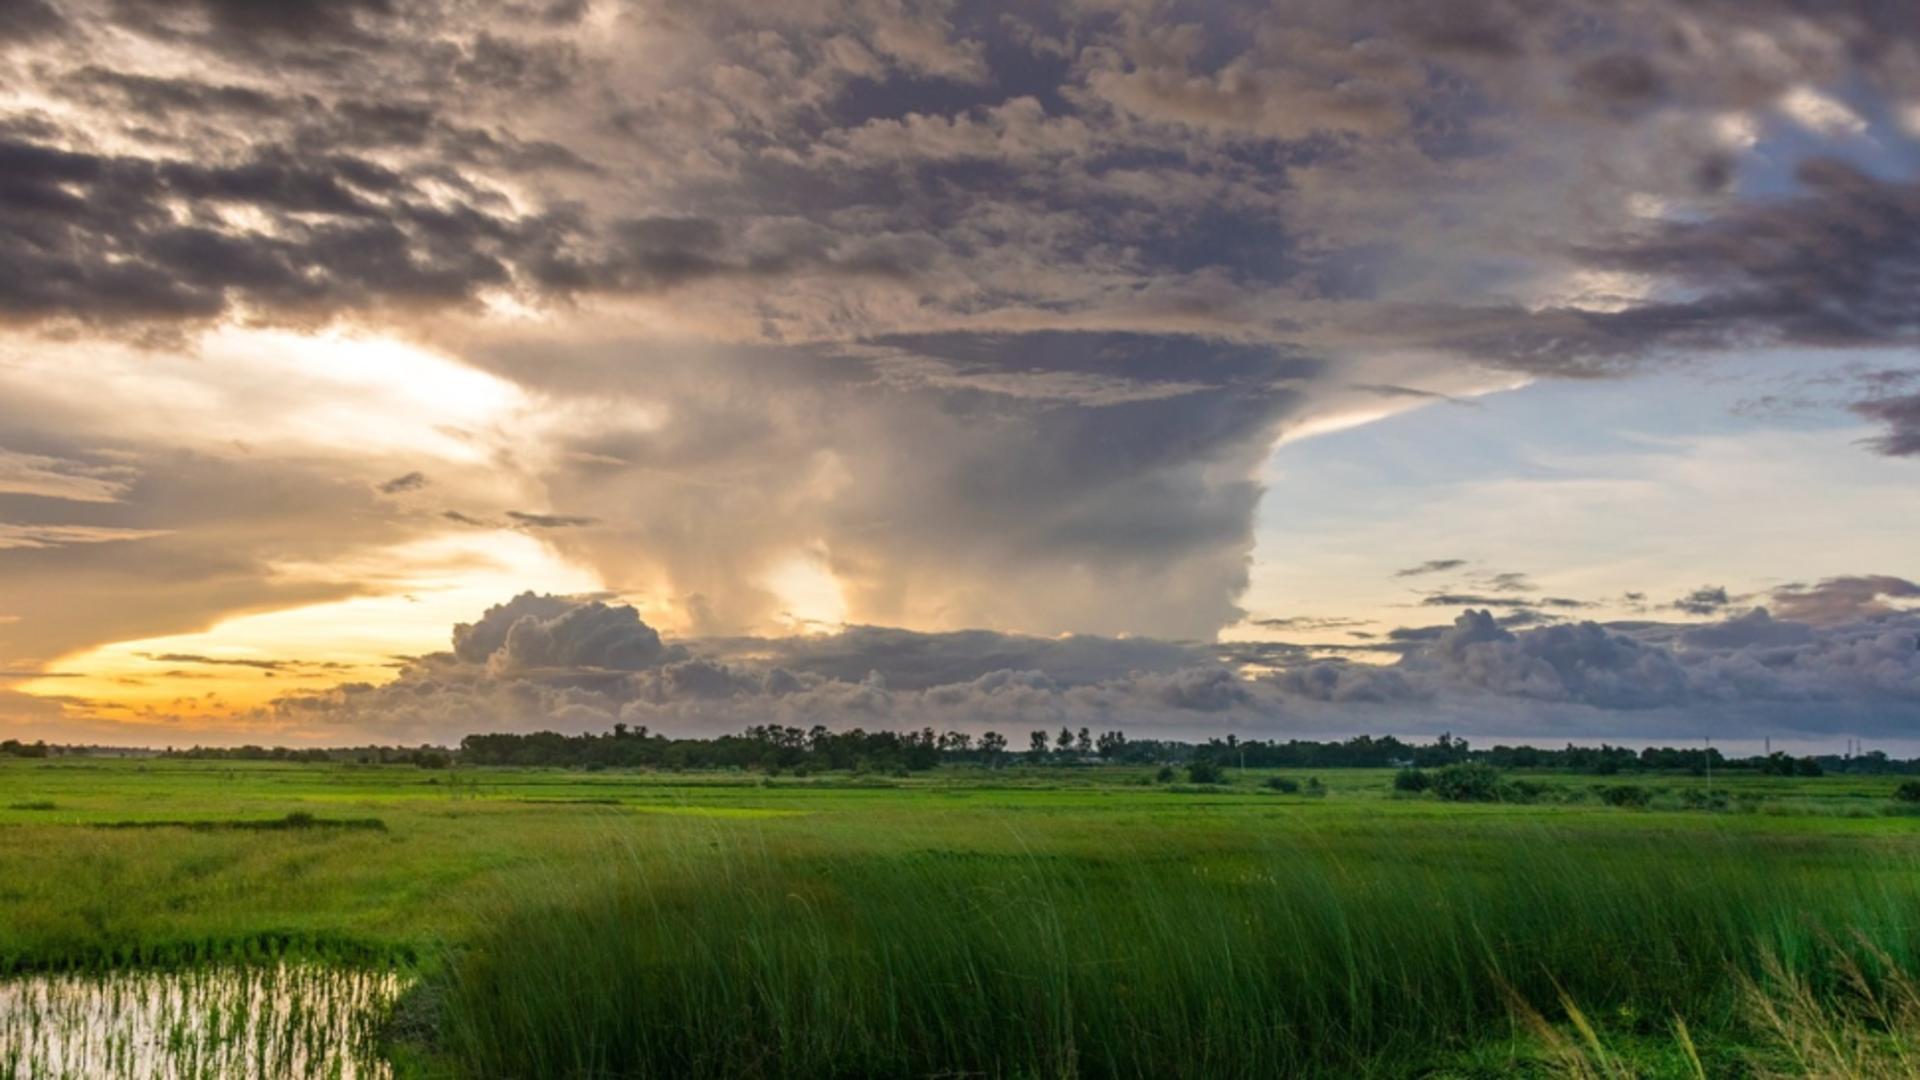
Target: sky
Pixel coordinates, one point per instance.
(392, 370)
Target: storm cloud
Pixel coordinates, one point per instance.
(544, 661)
(965, 332)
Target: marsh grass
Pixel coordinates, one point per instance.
(297, 820)
(719, 954)
(226, 1021)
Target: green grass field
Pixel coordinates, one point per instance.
(1042, 922)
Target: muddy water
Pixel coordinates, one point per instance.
(224, 1021)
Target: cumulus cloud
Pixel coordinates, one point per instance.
(532, 631)
(552, 662)
(990, 317)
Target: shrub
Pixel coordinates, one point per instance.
(1631, 795)
(1908, 791)
(1165, 775)
(1205, 772)
(1469, 781)
(1411, 781)
(1283, 785)
(1523, 791)
(1315, 788)
(1696, 799)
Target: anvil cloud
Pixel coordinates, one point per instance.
(830, 333)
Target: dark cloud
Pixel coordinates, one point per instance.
(1755, 628)
(1509, 582)
(1310, 622)
(532, 632)
(23, 21)
(1450, 599)
(907, 660)
(1431, 566)
(1832, 267)
(1901, 414)
(93, 238)
(412, 481)
(1705, 600)
(241, 21)
(1842, 599)
(1620, 80)
(550, 521)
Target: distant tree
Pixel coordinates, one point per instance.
(1064, 741)
(1037, 746)
(1470, 781)
(992, 745)
(1203, 771)
(1631, 796)
(1083, 742)
(1908, 791)
(1111, 744)
(1412, 781)
(1165, 775)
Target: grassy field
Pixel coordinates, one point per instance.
(1044, 922)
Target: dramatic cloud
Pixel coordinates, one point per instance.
(907, 313)
(550, 662)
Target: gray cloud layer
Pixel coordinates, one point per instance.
(542, 661)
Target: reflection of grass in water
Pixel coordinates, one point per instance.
(275, 1021)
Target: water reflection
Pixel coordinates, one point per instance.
(290, 1020)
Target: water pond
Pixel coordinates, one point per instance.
(287, 1020)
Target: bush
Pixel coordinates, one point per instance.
(1205, 772)
(1165, 775)
(1696, 799)
(1630, 795)
(1315, 788)
(1908, 791)
(1412, 781)
(1470, 781)
(1283, 785)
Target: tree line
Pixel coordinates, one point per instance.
(780, 748)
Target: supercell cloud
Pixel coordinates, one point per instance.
(962, 337)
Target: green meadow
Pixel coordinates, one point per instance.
(1020, 922)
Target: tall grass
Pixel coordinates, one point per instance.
(722, 954)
